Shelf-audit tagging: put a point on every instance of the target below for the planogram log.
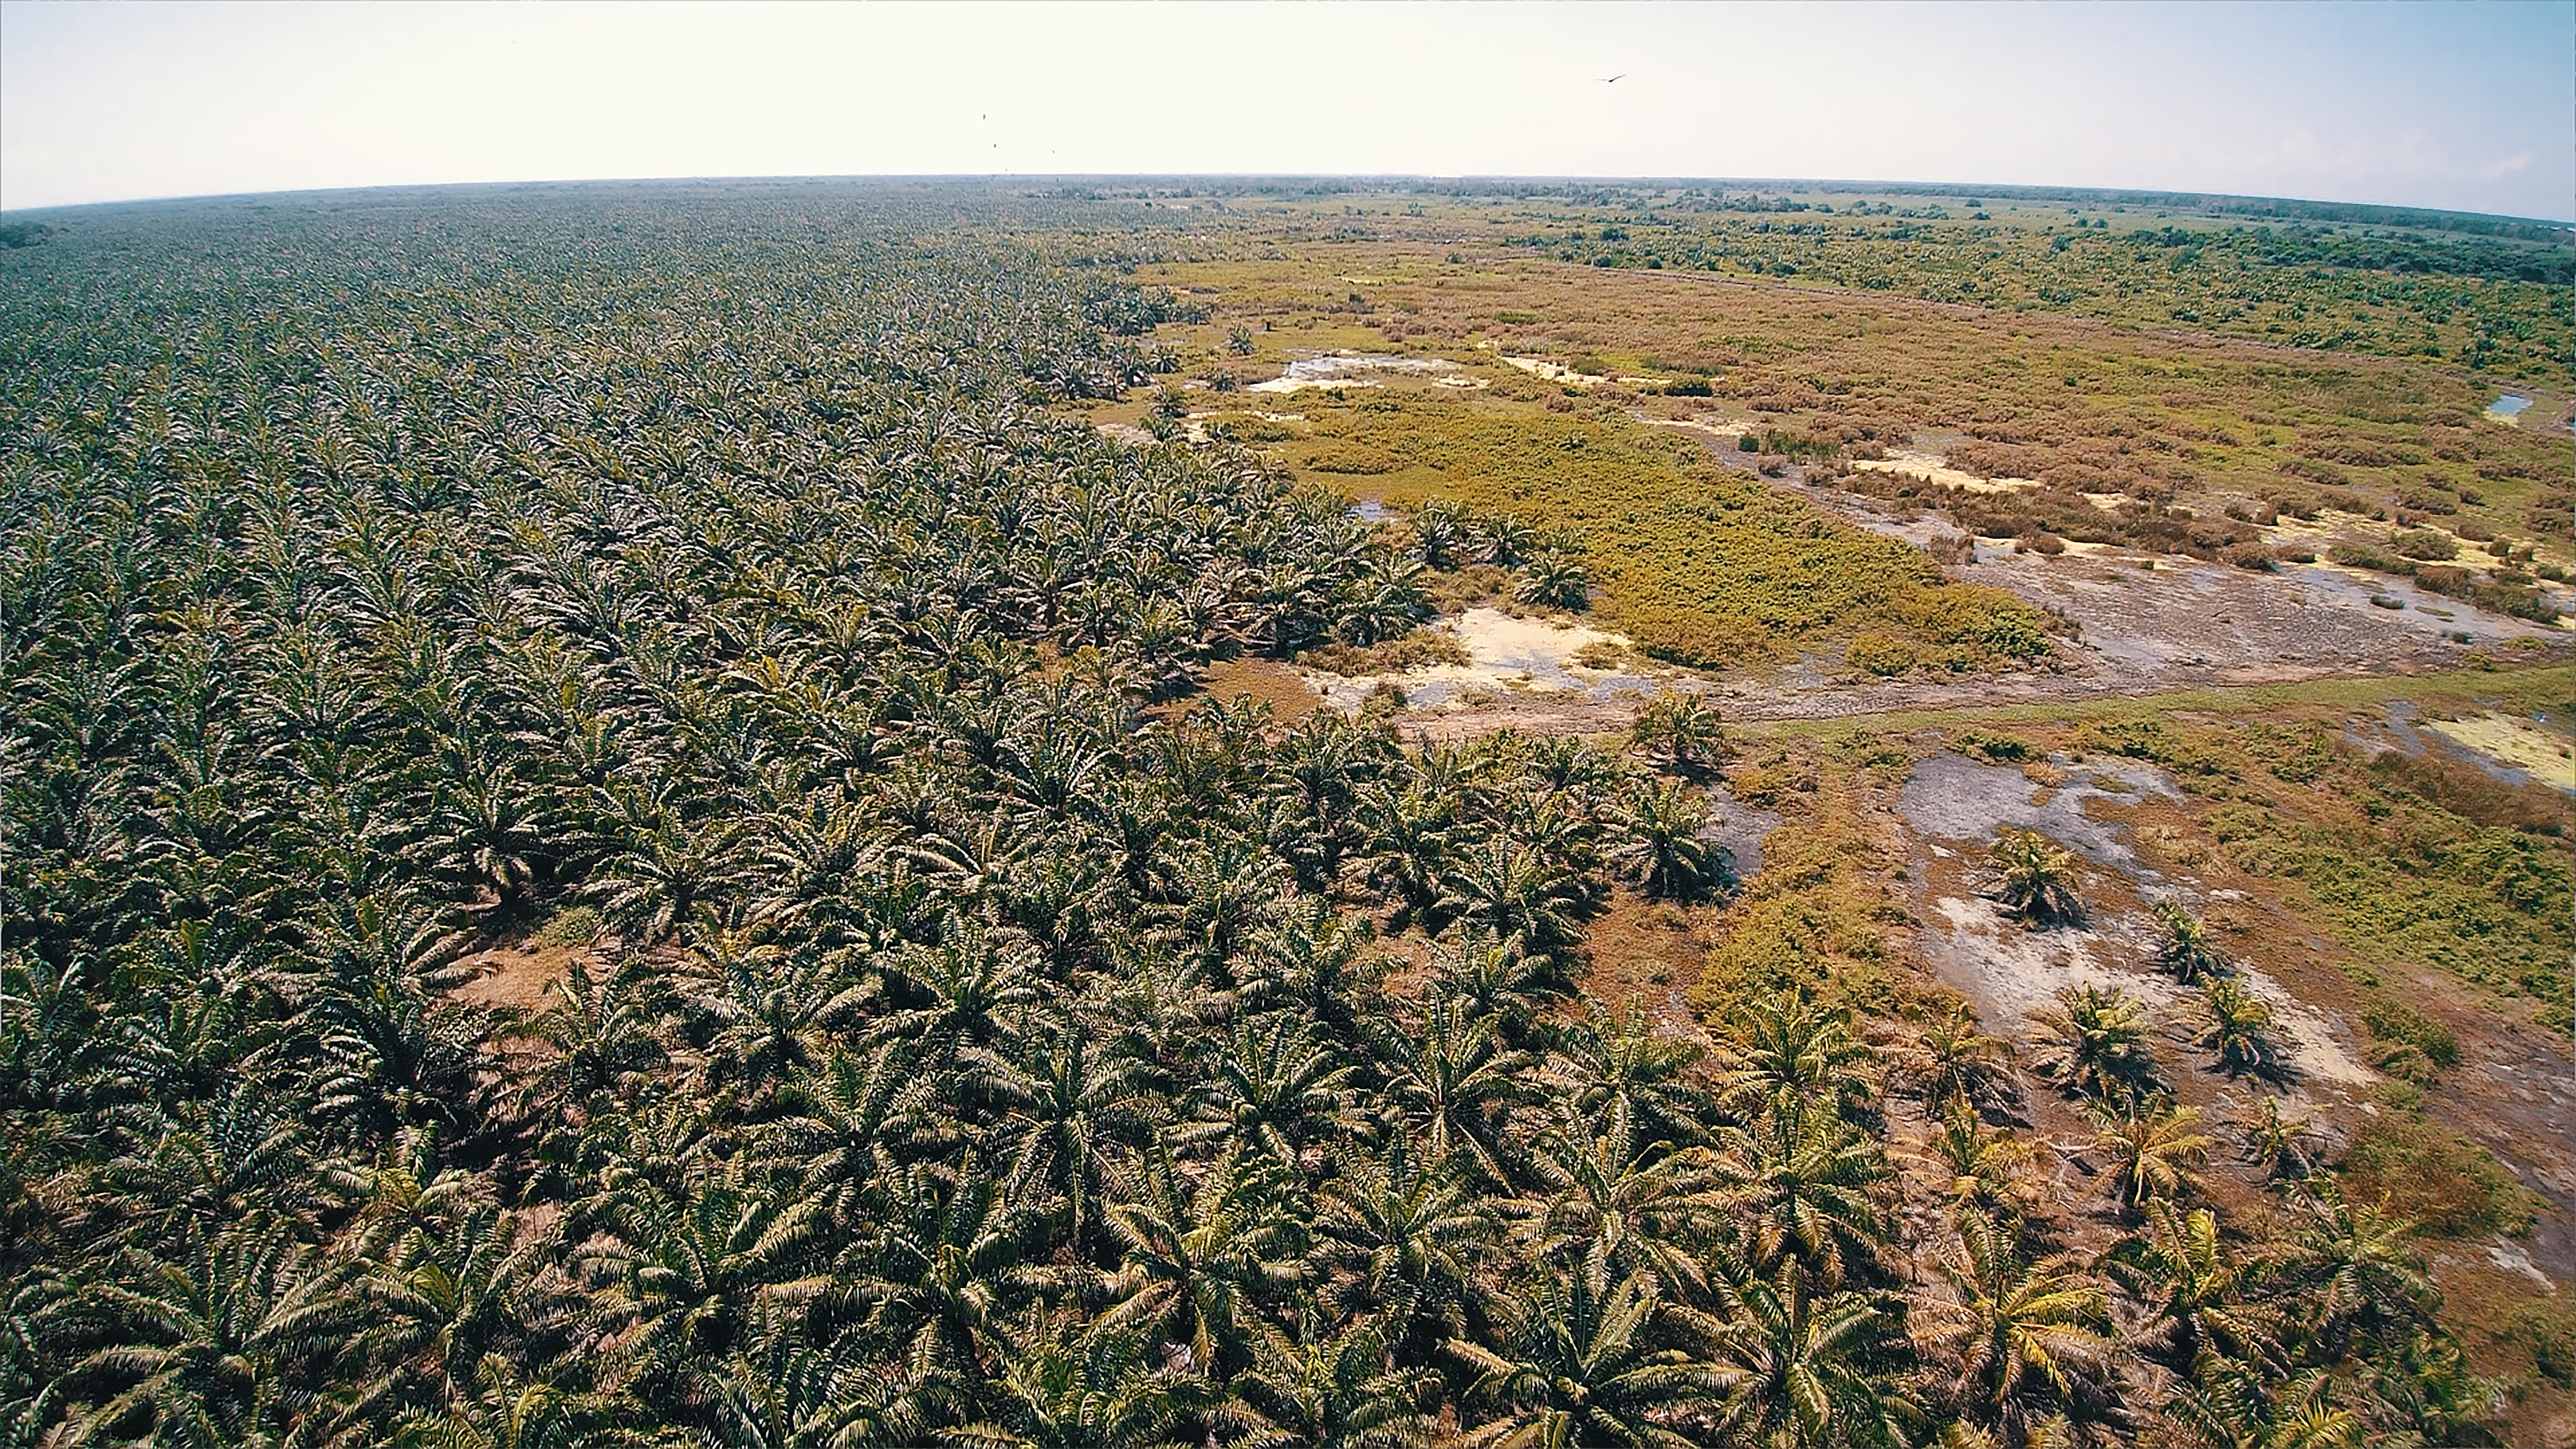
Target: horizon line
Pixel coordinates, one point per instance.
(1932, 187)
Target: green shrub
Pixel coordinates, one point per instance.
(578, 926)
(1420, 649)
(2428, 544)
(1873, 652)
(1993, 749)
(2156, 742)
(2548, 1328)
(2449, 1185)
(2399, 1024)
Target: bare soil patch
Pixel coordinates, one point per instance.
(516, 972)
(1265, 681)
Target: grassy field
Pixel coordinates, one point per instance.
(1697, 564)
(2167, 416)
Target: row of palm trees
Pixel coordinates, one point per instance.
(964, 1044)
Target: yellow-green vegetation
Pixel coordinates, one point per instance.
(2407, 860)
(2185, 424)
(2540, 687)
(1417, 650)
(2450, 1186)
(2486, 301)
(1696, 564)
(1809, 924)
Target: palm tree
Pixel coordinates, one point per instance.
(1782, 1042)
(491, 832)
(2153, 1151)
(2034, 879)
(1623, 1065)
(2233, 1404)
(1987, 1168)
(204, 1344)
(852, 1119)
(1451, 1086)
(1950, 1061)
(601, 1036)
(1274, 1090)
(2284, 1147)
(1803, 1185)
(437, 1305)
(1619, 1206)
(968, 991)
(1197, 1260)
(680, 1278)
(1405, 845)
(782, 1391)
(1682, 728)
(664, 877)
(1066, 1098)
(768, 1014)
(2094, 1043)
(2361, 1259)
(508, 1411)
(944, 1267)
(2183, 946)
(1514, 894)
(1336, 1390)
(2200, 1295)
(1553, 580)
(1409, 1236)
(1580, 1361)
(1440, 533)
(2020, 1333)
(2236, 1024)
(1663, 850)
(1101, 1386)
(1805, 1369)
(2421, 1393)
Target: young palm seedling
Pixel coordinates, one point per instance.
(2035, 879)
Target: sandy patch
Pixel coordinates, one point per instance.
(1556, 371)
(1708, 423)
(1264, 681)
(515, 973)
(1347, 369)
(2011, 971)
(1506, 655)
(2330, 528)
(2517, 742)
(1933, 468)
(1952, 797)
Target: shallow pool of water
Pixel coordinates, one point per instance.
(2508, 405)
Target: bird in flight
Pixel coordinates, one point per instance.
(1615, 79)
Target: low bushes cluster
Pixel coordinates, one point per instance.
(1699, 566)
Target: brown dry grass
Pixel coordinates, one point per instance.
(516, 972)
(1263, 681)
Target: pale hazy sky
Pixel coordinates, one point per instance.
(2470, 106)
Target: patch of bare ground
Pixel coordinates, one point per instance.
(2489, 1309)
(516, 971)
(1648, 952)
(1264, 681)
